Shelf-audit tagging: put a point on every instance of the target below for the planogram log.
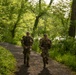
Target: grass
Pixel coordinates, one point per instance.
(7, 62)
(67, 59)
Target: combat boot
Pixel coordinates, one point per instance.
(27, 64)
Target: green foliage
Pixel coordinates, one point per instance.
(7, 62)
(67, 58)
(22, 14)
(36, 45)
(64, 51)
(11, 16)
(68, 45)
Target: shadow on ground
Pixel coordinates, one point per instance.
(45, 71)
(23, 70)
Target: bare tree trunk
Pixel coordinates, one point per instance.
(72, 27)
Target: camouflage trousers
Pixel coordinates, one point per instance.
(45, 53)
(26, 53)
(45, 56)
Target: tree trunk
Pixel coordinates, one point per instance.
(35, 25)
(39, 15)
(72, 27)
(15, 25)
(18, 18)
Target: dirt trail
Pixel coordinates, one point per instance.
(36, 65)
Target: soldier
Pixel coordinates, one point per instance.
(27, 42)
(45, 45)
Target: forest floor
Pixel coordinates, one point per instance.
(36, 64)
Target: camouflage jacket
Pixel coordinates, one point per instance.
(27, 40)
(45, 43)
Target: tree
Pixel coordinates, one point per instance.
(72, 27)
(10, 17)
(40, 14)
(61, 18)
(20, 13)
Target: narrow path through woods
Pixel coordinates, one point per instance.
(36, 65)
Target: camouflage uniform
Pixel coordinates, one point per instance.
(45, 45)
(27, 42)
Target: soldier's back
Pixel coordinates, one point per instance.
(46, 43)
(28, 40)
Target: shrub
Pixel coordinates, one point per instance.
(36, 45)
(66, 45)
(69, 60)
(7, 62)
(64, 51)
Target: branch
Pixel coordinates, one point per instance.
(39, 6)
(50, 3)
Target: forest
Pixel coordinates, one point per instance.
(56, 19)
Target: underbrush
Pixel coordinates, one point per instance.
(63, 51)
(67, 59)
(35, 46)
(7, 62)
